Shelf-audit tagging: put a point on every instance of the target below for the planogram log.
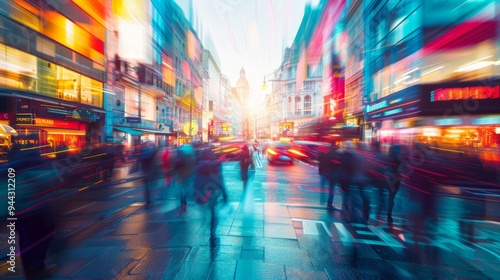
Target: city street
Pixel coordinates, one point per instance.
(282, 231)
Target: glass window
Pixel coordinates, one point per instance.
(148, 107)
(18, 69)
(289, 109)
(67, 84)
(298, 108)
(131, 102)
(307, 105)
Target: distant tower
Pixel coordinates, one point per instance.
(243, 90)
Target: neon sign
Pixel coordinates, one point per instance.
(481, 92)
(377, 106)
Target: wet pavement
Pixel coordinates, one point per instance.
(263, 239)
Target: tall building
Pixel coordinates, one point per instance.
(243, 90)
(298, 82)
(142, 78)
(52, 71)
(188, 93)
(214, 109)
(351, 50)
(432, 73)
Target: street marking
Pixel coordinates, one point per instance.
(386, 237)
(346, 235)
(258, 161)
(310, 226)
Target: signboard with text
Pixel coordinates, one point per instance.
(24, 118)
(289, 126)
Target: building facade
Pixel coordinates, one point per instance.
(430, 78)
(52, 73)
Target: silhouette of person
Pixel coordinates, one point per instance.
(185, 164)
(209, 186)
(245, 162)
(393, 177)
(33, 206)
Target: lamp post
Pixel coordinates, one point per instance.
(275, 104)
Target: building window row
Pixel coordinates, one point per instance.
(23, 71)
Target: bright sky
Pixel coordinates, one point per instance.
(247, 33)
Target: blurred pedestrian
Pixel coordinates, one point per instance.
(209, 187)
(246, 161)
(168, 166)
(33, 207)
(185, 164)
(147, 163)
(393, 177)
(329, 166)
(351, 174)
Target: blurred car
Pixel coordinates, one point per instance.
(229, 149)
(311, 149)
(283, 152)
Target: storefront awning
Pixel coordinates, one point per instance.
(130, 131)
(159, 132)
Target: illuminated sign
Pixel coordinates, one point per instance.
(226, 127)
(287, 126)
(190, 128)
(464, 93)
(56, 123)
(377, 106)
(40, 121)
(393, 111)
(486, 120)
(24, 118)
(448, 121)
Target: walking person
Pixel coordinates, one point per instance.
(34, 207)
(246, 161)
(329, 170)
(350, 174)
(393, 177)
(209, 187)
(168, 166)
(185, 164)
(148, 169)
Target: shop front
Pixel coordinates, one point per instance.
(457, 119)
(5, 137)
(381, 115)
(49, 133)
(51, 125)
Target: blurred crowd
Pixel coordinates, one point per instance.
(357, 169)
(196, 171)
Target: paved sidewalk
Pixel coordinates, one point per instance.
(269, 241)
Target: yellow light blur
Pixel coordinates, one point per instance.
(431, 131)
(271, 152)
(70, 34)
(293, 151)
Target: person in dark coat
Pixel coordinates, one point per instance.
(351, 173)
(184, 165)
(147, 157)
(209, 187)
(33, 209)
(393, 177)
(246, 160)
(329, 168)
